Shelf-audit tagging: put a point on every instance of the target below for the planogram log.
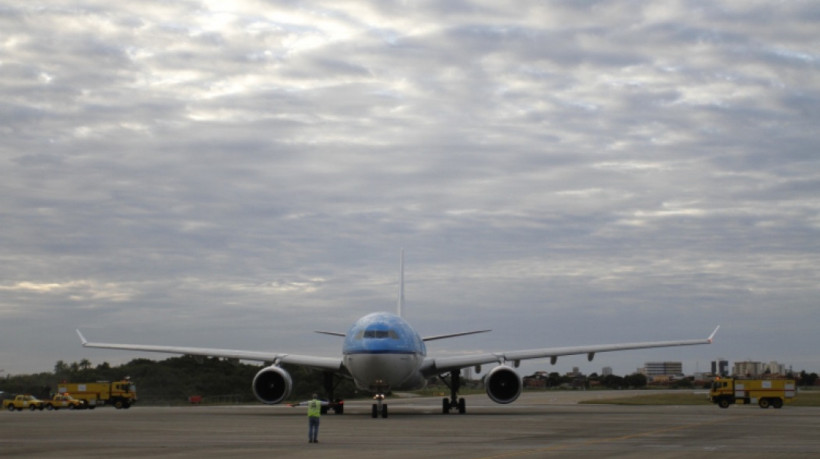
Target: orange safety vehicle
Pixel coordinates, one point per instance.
(763, 392)
(119, 394)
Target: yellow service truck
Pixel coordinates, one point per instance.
(64, 401)
(19, 402)
(120, 394)
(764, 392)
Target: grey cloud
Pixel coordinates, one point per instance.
(626, 170)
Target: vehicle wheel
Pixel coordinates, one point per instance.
(11, 408)
(462, 406)
(723, 403)
(32, 407)
(118, 404)
(70, 407)
(763, 403)
(374, 411)
(777, 403)
(50, 407)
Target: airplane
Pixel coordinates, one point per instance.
(382, 352)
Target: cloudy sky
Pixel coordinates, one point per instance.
(239, 174)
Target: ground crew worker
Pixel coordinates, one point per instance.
(314, 413)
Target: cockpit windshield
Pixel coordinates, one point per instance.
(377, 333)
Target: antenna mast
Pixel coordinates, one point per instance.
(401, 284)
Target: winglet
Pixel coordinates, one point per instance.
(82, 338)
(712, 336)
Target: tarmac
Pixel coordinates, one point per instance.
(539, 424)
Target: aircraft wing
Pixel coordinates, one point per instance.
(319, 363)
(433, 366)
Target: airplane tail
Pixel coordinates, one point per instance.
(400, 306)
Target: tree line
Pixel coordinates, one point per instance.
(638, 381)
(556, 380)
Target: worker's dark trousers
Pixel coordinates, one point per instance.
(313, 429)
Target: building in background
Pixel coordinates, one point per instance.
(774, 368)
(720, 367)
(653, 369)
(750, 368)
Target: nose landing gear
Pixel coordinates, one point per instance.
(379, 408)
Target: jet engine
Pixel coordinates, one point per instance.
(503, 384)
(272, 385)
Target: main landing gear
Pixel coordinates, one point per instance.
(337, 405)
(453, 403)
(379, 407)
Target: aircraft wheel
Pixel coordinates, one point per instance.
(723, 403)
(384, 411)
(462, 406)
(374, 411)
(445, 406)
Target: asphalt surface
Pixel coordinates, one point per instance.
(537, 425)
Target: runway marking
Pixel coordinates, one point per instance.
(614, 439)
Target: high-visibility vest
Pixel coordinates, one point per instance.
(314, 408)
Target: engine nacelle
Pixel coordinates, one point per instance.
(272, 385)
(503, 384)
